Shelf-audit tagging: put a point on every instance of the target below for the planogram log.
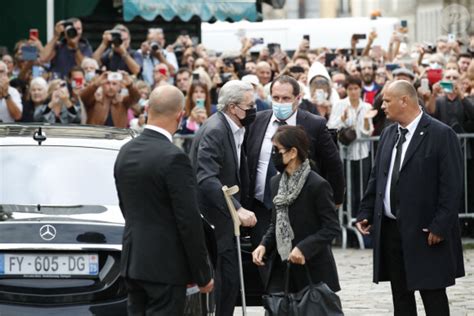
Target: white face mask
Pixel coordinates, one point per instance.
(435, 65)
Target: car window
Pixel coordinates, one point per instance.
(54, 175)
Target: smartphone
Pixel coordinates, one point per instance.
(256, 41)
(162, 71)
(434, 75)
(77, 83)
(429, 47)
(29, 52)
(195, 77)
(306, 37)
(447, 86)
(274, 48)
(114, 76)
(404, 23)
(392, 67)
(36, 71)
(200, 103)
(34, 34)
(425, 84)
(320, 95)
(359, 36)
(329, 58)
(451, 38)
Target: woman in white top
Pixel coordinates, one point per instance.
(353, 112)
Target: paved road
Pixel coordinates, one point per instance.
(360, 296)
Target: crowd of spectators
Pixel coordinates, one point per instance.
(67, 81)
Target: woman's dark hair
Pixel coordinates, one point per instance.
(352, 81)
(189, 104)
(293, 136)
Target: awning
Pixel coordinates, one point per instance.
(223, 10)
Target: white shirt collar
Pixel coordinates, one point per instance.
(233, 126)
(161, 131)
(290, 121)
(413, 125)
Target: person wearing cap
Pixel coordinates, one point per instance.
(259, 94)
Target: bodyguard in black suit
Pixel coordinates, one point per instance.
(323, 151)
(163, 241)
(219, 159)
(411, 205)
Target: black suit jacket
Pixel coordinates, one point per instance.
(214, 157)
(323, 151)
(315, 224)
(430, 191)
(163, 239)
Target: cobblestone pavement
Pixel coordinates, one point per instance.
(360, 296)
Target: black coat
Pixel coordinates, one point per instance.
(214, 157)
(163, 240)
(323, 150)
(430, 191)
(315, 224)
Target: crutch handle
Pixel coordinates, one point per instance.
(228, 192)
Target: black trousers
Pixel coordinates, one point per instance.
(264, 217)
(434, 301)
(227, 282)
(147, 298)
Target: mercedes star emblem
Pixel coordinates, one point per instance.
(47, 232)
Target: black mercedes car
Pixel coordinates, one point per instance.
(60, 224)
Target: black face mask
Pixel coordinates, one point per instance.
(277, 159)
(250, 115)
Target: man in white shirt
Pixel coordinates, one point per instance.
(10, 99)
(411, 205)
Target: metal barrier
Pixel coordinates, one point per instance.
(346, 218)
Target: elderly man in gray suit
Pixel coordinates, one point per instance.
(219, 159)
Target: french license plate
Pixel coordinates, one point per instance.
(49, 265)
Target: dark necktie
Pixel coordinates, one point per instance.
(396, 172)
(271, 171)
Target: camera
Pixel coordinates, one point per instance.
(256, 41)
(69, 29)
(228, 62)
(116, 38)
(154, 46)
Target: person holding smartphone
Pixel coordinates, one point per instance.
(60, 108)
(197, 107)
(104, 102)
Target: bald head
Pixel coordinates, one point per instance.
(264, 65)
(165, 101)
(401, 88)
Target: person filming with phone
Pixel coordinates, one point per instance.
(105, 100)
(67, 48)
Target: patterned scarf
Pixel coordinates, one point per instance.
(288, 192)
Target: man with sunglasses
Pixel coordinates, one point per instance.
(219, 159)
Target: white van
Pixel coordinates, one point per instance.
(332, 33)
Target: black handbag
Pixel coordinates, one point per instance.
(313, 300)
(346, 135)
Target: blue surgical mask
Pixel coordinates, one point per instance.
(282, 111)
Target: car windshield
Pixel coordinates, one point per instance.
(58, 176)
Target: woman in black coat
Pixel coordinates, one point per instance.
(304, 218)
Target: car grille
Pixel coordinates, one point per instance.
(107, 286)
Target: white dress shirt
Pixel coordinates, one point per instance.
(409, 135)
(266, 152)
(161, 131)
(238, 133)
